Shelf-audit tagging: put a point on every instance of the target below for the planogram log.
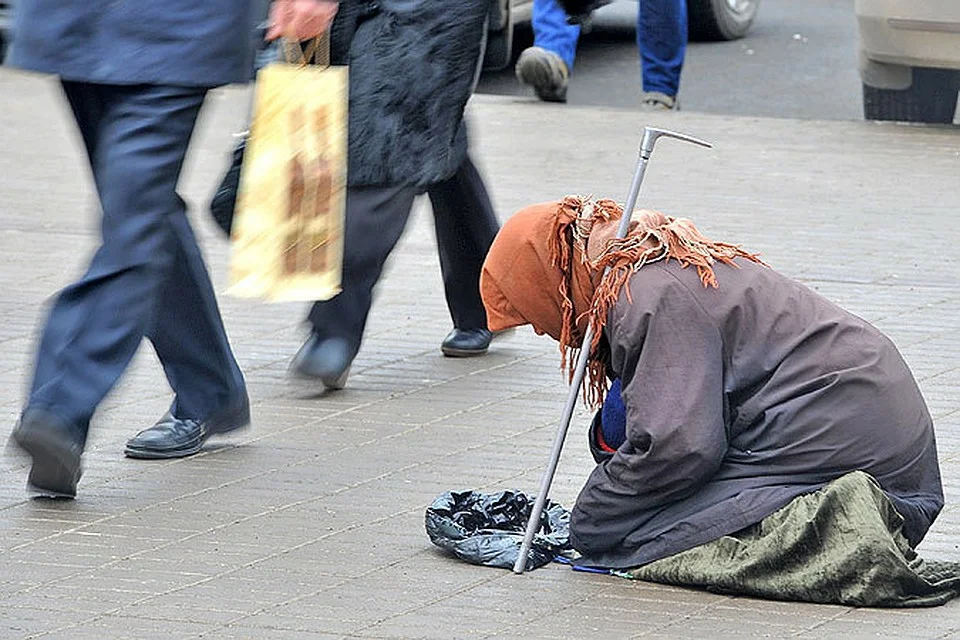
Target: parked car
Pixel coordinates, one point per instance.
(714, 20)
(708, 20)
(909, 59)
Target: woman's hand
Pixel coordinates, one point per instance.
(300, 19)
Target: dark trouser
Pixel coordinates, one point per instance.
(466, 226)
(375, 219)
(148, 278)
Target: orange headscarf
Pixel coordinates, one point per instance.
(542, 271)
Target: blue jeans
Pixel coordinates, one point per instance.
(661, 38)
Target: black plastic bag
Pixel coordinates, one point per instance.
(488, 528)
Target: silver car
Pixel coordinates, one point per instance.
(909, 59)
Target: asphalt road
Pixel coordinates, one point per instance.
(798, 61)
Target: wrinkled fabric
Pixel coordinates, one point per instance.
(840, 545)
(521, 283)
(488, 528)
(560, 267)
(738, 399)
(742, 388)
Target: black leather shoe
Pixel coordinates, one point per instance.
(326, 360)
(55, 448)
(463, 343)
(172, 437)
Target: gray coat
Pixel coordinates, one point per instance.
(201, 43)
(739, 399)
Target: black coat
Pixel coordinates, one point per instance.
(412, 65)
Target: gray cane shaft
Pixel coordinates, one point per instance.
(632, 198)
(534, 522)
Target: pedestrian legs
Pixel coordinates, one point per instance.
(551, 31)
(147, 277)
(375, 220)
(662, 41)
(189, 337)
(466, 226)
(546, 66)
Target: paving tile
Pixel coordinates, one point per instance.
(310, 524)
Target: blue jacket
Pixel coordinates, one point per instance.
(202, 43)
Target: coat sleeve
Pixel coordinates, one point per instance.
(670, 354)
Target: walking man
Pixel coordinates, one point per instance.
(135, 75)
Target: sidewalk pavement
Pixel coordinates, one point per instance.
(310, 525)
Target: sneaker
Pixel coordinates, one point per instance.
(656, 101)
(546, 72)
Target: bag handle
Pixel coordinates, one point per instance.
(317, 51)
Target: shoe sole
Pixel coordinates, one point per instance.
(337, 383)
(537, 73)
(331, 383)
(164, 454)
(55, 471)
(462, 353)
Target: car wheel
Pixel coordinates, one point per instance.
(478, 71)
(932, 98)
(499, 52)
(712, 20)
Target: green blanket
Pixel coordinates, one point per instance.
(839, 545)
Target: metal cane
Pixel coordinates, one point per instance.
(649, 141)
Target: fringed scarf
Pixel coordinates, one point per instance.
(562, 256)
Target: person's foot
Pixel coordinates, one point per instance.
(327, 360)
(55, 448)
(463, 343)
(545, 71)
(656, 101)
(172, 437)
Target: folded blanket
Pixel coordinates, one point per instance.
(839, 545)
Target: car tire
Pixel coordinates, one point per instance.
(714, 20)
(478, 71)
(931, 98)
(499, 53)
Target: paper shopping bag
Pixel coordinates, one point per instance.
(287, 235)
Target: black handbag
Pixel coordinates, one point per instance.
(224, 201)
